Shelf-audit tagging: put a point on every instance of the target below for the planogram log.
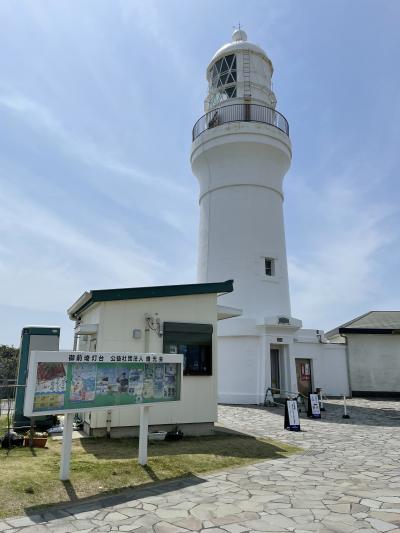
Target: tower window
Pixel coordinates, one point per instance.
(223, 72)
(222, 78)
(269, 266)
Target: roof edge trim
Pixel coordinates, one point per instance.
(162, 291)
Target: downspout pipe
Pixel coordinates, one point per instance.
(146, 334)
(347, 363)
(75, 336)
(78, 321)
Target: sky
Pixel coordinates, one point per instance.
(97, 102)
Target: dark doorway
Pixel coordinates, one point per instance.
(275, 371)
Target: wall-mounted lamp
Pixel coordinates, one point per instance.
(137, 333)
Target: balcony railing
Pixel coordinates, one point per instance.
(240, 113)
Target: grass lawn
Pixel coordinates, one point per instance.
(29, 479)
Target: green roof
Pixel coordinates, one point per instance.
(41, 330)
(162, 291)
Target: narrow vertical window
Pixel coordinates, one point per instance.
(269, 266)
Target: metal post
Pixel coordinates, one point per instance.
(143, 434)
(321, 402)
(345, 415)
(108, 424)
(66, 446)
(31, 432)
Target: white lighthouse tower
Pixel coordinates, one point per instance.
(240, 154)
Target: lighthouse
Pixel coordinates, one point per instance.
(240, 153)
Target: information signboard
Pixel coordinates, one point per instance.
(313, 410)
(292, 420)
(67, 382)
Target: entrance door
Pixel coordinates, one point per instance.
(275, 372)
(303, 374)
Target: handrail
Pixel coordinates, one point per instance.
(273, 389)
(240, 113)
(297, 396)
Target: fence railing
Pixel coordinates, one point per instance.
(240, 113)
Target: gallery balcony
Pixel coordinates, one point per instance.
(240, 113)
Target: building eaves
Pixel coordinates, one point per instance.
(134, 293)
(373, 322)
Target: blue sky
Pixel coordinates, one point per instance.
(97, 102)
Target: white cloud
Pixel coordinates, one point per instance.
(46, 261)
(338, 270)
(151, 19)
(88, 152)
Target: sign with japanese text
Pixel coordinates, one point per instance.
(313, 410)
(64, 382)
(291, 420)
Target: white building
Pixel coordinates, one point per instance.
(165, 319)
(240, 154)
(373, 349)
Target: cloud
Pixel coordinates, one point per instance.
(47, 258)
(47, 261)
(42, 119)
(338, 270)
(150, 19)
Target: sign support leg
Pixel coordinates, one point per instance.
(143, 434)
(66, 446)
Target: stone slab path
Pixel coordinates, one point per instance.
(347, 479)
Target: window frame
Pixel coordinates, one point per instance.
(269, 271)
(222, 80)
(190, 335)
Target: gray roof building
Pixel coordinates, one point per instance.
(374, 322)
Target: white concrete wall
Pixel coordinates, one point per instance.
(240, 168)
(117, 319)
(92, 316)
(244, 369)
(239, 361)
(374, 362)
(328, 363)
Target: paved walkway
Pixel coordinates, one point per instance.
(348, 479)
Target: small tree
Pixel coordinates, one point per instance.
(8, 376)
(8, 368)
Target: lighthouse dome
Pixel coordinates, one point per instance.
(239, 42)
(240, 71)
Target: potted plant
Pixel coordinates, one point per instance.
(39, 439)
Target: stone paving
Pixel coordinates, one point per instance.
(347, 479)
